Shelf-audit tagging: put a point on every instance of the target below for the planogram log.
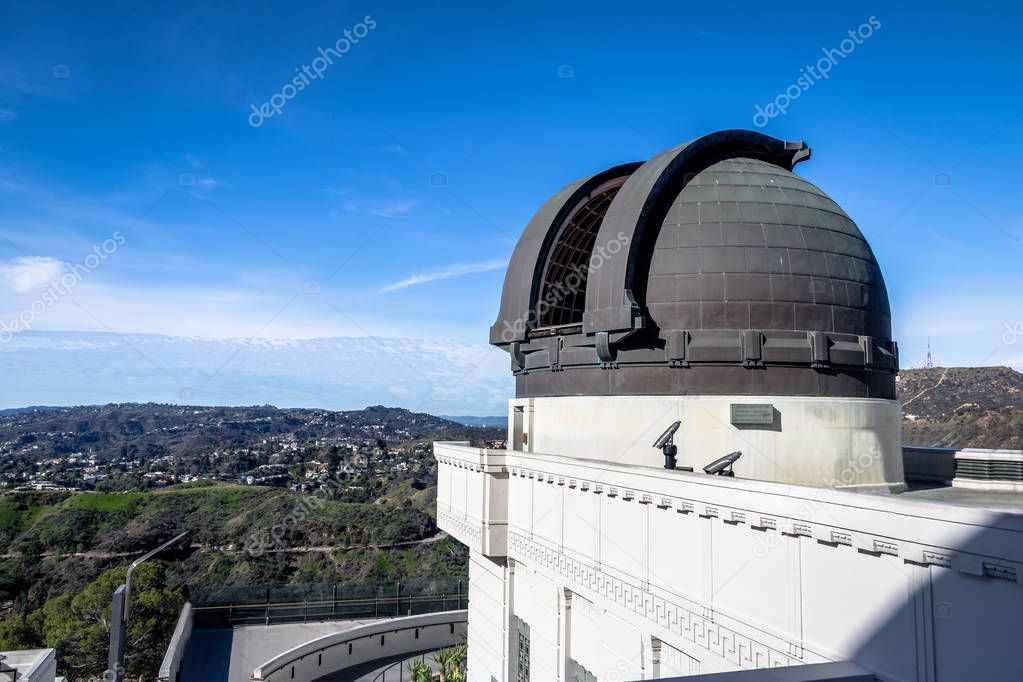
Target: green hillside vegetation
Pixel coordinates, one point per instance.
(16, 515)
(330, 497)
(55, 542)
(76, 625)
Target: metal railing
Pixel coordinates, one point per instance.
(213, 608)
(398, 671)
(364, 649)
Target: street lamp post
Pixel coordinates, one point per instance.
(120, 612)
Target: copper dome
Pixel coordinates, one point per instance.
(710, 269)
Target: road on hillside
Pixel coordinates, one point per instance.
(324, 549)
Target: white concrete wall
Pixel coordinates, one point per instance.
(472, 496)
(635, 571)
(814, 441)
(488, 619)
(604, 644)
(536, 602)
(176, 648)
(382, 639)
(722, 576)
(675, 662)
(33, 665)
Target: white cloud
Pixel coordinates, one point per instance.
(210, 183)
(30, 272)
(7, 115)
(249, 306)
(446, 272)
(394, 209)
(67, 368)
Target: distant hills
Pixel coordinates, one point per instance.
(980, 407)
(943, 406)
(30, 408)
(496, 422)
(372, 468)
(152, 430)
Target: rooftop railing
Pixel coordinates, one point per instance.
(218, 607)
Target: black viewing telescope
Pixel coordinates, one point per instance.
(723, 466)
(666, 443)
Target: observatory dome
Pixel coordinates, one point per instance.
(710, 269)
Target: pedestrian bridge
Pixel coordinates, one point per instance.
(349, 654)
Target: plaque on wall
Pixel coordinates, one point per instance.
(747, 414)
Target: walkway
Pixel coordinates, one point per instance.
(231, 654)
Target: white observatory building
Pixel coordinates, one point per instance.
(704, 471)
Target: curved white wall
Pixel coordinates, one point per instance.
(832, 442)
(385, 639)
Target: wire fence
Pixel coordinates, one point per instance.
(218, 607)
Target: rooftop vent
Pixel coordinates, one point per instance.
(984, 469)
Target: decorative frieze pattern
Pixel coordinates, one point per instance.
(466, 531)
(691, 621)
(867, 543)
(476, 467)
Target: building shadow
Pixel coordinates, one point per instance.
(207, 655)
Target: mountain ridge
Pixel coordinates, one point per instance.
(977, 407)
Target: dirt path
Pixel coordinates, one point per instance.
(927, 390)
(323, 549)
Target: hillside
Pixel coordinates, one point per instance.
(79, 447)
(979, 407)
(498, 421)
(177, 430)
(56, 542)
(63, 553)
(272, 496)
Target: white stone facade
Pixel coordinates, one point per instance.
(624, 572)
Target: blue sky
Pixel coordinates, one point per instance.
(385, 197)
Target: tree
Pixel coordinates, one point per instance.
(451, 662)
(18, 632)
(78, 625)
(333, 457)
(420, 671)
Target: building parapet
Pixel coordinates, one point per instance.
(33, 665)
(929, 465)
(653, 542)
(842, 671)
(921, 531)
(366, 645)
(972, 468)
(176, 649)
(472, 496)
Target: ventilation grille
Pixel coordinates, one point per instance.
(989, 470)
